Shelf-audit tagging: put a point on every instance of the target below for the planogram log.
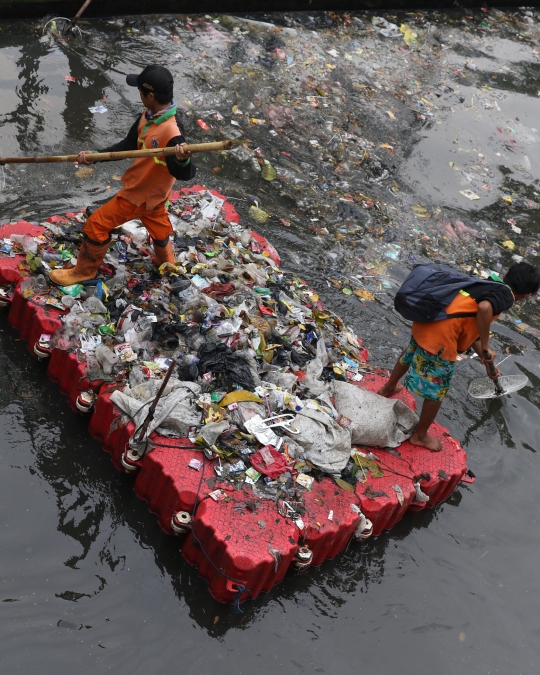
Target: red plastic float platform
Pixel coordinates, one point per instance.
(242, 546)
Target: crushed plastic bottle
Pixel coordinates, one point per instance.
(258, 215)
(106, 358)
(268, 172)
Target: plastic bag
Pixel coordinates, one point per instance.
(76, 319)
(28, 287)
(241, 153)
(94, 305)
(314, 370)
(258, 215)
(244, 411)
(284, 380)
(135, 230)
(212, 431)
(220, 359)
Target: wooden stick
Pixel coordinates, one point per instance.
(77, 16)
(126, 154)
(152, 409)
(79, 13)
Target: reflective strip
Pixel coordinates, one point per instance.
(158, 161)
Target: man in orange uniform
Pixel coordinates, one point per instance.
(429, 361)
(147, 182)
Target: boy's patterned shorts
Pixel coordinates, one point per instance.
(429, 376)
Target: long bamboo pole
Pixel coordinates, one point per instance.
(126, 154)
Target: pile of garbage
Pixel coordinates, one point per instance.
(264, 376)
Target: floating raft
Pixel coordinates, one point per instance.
(233, 543)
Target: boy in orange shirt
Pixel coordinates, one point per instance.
(429, 361)
(147, 182)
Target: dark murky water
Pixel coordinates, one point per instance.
(88, 581)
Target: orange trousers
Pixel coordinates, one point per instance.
(118, 211)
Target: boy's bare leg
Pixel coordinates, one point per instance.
(393, 385)
(427, 417)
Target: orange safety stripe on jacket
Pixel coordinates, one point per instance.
(450, 335)
(148, 179)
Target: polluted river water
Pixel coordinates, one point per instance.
(370, 144)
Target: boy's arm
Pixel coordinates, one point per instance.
(180, 169)
(484, 319)
(478, 349)
(128, 143)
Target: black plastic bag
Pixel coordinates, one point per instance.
(219, 359)
(188, 373)
(298, 358)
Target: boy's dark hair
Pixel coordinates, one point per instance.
(523, 278)
(160, 96)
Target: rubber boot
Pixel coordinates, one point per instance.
(90, 257)
(164, 253)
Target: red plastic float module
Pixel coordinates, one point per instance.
(241, 545)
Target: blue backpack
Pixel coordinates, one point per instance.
(429, 289)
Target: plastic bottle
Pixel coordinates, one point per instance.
(119, 280)
(139, 333)
(49, 257)
(136, 376)
(190, 359)
(75, 320)
(40, 283)
(29, 244)
(121, 249)
(254, 164)
(258, 215)
(68, 301)
(106, 358)
(193, 338)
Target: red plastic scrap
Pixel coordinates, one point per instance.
(266, 247)
(364, 355)
(273, 469)
(266, 310)
(220, 290)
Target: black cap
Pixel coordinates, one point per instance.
(156, 79)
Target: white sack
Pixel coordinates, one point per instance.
(325, 443)
(176, 411)
(376, 421)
